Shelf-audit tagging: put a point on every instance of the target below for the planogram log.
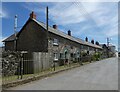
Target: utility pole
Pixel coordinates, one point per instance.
(108, 46)
(47, 24)
(49, 49)
(46, 30)
(108, 41)
(15, 33)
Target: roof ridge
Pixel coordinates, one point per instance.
(56, 29)
(84, 42)
(57, 32)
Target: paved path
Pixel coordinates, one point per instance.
(100, 75)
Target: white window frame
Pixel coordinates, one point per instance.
(82, 47)
(88, 48)
(55, 56)
(55, 41)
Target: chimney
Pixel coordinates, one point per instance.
(55, 26)
(86, 39)
(69, 32)
(92, 41)
(97, 43)
(32, 15)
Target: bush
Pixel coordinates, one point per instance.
(61, 62)
(96, 56)
(83, 54)
(75, 61)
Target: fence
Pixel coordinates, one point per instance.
(17, 65)
(41, 61)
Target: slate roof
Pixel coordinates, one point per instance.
(10, 38)
(57, 32)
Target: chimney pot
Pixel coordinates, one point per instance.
(92, 41)
(86, 39)
(55, 26)
(32, 15)
(69, 33)
(97, 43)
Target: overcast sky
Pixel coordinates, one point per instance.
(95, 20)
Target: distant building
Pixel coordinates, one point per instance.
(112, 48)
(2, 48)
(104, 51)
(108, 51)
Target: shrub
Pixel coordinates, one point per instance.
(96, 56)
(61, 62)
(83, 54)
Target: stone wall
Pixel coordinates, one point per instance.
(73, 49)
(10, 63)
(64, 45)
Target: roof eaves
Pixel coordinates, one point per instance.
(50, 29)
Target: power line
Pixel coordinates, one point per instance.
(66, 7)
(80, 7)
(88, 15)
(63, 8)
(56, 16)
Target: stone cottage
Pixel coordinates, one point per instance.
(48, 46)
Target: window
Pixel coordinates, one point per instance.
(61, 55)
(71, 47)
(55, 56)
(72, 55)
(85, 47)
(88, 48)
(81, 46)
(55, 41)
(78, 54)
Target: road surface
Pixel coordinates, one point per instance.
(100, 75)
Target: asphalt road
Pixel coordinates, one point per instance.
(100, 75)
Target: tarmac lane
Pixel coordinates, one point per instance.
(100, 75)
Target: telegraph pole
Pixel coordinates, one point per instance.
(108, 46)
(49, 50)
(46, 30)
(47, 24)
(108, 41)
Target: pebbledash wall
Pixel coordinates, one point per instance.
(46, 47)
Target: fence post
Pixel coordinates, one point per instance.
(19, 69)
(54, 65)
(81, 60)
(22, 56)
(22, 66)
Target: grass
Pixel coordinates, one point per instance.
(12, 78)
